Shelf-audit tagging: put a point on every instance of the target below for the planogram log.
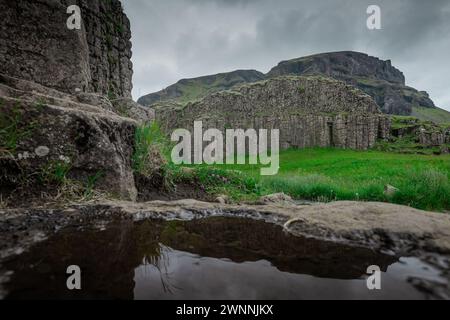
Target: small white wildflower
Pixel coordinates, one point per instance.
(42, 151)
(64, 159)
(26, 155)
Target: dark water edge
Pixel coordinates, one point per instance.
(212, 259)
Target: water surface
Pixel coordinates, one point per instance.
(215, 258)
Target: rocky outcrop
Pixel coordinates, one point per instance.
(309, 111)
(191, 89)
(48, 136)
(341, 65)
(36, 45)
(67, 122)
(376, 77)
(425, 133)
(127, 108)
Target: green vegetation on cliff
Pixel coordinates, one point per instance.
(188, 90)
(436, 115)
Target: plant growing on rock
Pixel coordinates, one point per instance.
(11, 129)
(152, 150)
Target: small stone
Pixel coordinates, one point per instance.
(390, 191)
(444, 150)
(276, 198)
(64, 159)
(222, 199)
(42, 151)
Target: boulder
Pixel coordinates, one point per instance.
(126, 107)
(41, 133)
(275, 198)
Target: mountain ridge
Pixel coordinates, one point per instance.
(376, 77)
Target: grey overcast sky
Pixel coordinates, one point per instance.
(175, 39)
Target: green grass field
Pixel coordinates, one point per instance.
(333, 174)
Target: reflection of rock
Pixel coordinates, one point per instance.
(107, 264)
(401, 229)
(108, 258)
(123, 246)
(243, 240)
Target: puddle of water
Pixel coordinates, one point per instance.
(215, 258)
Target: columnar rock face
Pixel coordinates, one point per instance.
(36, 45)
(309, 111)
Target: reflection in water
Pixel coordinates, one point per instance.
(216, 258)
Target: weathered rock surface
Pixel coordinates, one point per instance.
(46, 135)
(309, 111)
(425, 133)
(126, 107)
(56, 86)
(36, 45)
(341, 65)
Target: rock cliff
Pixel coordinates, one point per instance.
(309, 111)
(66, 117)
(36, 45)
(376, 77)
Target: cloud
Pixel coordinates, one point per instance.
(175, 39)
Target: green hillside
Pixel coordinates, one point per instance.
(436, 115)
(187, 90)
